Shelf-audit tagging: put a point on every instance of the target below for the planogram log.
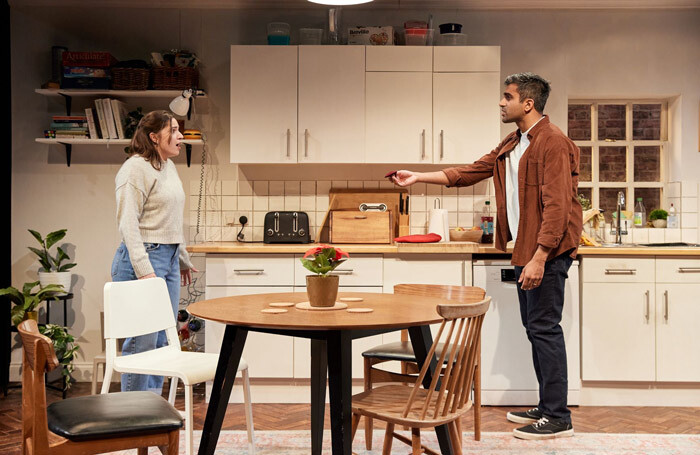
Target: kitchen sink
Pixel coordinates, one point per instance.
(671, 245)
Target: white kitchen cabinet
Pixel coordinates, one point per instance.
(264, 104)
(466, 59)
(617, 331)
(677, 314)
(466, 122)
(331, 103)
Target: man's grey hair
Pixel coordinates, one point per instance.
(531, 86)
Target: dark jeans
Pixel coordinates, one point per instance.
(540, 311)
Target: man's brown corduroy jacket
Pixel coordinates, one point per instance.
(550, 213)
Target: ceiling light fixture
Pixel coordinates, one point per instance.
(340, 2)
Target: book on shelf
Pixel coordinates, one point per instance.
(109, 118)
(119, 113)
(92, 127)
(67, 125)
(68, 118)
(102, 119)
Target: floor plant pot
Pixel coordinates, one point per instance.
(659, 223)
(322, 290)
(62, 278)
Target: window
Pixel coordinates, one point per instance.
(622, 149)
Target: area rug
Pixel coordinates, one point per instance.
(298, 443)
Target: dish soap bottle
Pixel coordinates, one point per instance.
(672, 221)
(487, 223)
(640, 214)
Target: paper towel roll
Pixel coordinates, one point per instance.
(438, 223)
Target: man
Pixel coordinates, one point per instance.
(535, 171)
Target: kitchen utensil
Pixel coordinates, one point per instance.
(401, 204)
(438, 221)
(286, 227)
(465, 236)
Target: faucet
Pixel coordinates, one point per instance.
(618, 230)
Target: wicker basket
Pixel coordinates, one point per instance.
(130, 78)
(175, 78)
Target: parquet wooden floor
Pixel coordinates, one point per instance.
(587, 419)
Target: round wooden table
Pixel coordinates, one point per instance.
(331, 334)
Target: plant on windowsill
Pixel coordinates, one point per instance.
(65, 346)
(27, 301)
(52, 270)
(322, 288)
(658, 218)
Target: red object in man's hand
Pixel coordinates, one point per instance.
(419, 238)
(391, 174)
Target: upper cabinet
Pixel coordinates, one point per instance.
(357, 104)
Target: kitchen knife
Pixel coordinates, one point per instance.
(401, 203)
(405, 207)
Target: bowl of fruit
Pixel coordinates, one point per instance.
(461, 234)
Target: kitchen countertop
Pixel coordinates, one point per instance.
(427, 248)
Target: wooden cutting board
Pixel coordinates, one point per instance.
(350, 199)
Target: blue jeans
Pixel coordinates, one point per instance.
(540, 311)
(166, 264)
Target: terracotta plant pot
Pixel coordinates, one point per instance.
(322, 290)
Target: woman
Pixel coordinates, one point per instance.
(150, 204)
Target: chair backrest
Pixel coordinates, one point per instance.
(138, 307)
(38, 357)
(461, 331)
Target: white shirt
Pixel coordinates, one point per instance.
(512, 200)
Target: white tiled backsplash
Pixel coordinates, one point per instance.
(227, 200)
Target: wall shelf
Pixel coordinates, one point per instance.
(68, 144)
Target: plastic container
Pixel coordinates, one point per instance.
(418, 36)
(278, 33)
(452, 39)
(415, 24)
(672, 219)
(487, 223)
(310, 36)
(640, 214)
(450, 27)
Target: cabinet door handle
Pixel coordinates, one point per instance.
(442, 144)
(646, 312)
(666, 305)
(306, 143)
(289, 137)
(248, 271)
(422, 149)
(620, 271)
(343, 271)
(688, 269)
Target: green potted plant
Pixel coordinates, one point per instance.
(65, 347)
(52, 270)
(322, 288)
(658, 218)
(27, 300)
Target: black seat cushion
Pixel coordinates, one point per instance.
(400, 350)
(112, 415)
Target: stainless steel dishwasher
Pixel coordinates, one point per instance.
(507, 374)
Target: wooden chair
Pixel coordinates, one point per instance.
(416, 407)
(90, 424)
(402, 351)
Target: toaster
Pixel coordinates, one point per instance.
(286, 227)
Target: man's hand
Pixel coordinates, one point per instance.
(404, 178)
(186, 276)
(531, 276)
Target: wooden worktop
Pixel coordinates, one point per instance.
(424, 248)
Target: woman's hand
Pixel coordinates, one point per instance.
(186, 276)
(150, 275)
(404, 178)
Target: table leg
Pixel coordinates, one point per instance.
(340, 387)
(229, 357)
(319, 369)
(422, 340)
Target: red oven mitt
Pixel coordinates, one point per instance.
(419, 238)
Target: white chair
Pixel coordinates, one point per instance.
(139, 307)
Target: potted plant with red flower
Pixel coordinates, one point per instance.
(322, 288)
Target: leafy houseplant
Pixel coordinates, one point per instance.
(52, 270)
(322, 288)
(27, 301)
(65, 347)
(658, 218)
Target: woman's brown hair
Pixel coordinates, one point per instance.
(141, 143)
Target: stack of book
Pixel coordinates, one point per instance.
(68, 126)
(106, 119)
